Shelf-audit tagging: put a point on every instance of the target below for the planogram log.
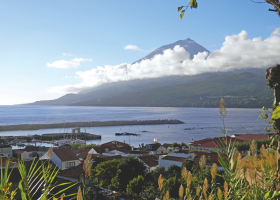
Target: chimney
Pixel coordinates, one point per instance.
(132, 148)
(248, 153)
(81, 161)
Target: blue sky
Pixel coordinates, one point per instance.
(43, 44)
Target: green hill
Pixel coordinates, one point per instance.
(239, 90)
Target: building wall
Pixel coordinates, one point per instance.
(167, 163)
(205, 148)
(7, 151)
(25, 156)
(161, 149)
(63, 166)
(92, 151)
(56, 160)
(41, 153)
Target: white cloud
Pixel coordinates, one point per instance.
(63, 64)
(65, 54)
(135, 48)
(81, 59)
(132, 47)
(68, 77)
(237, 52)
(276, 32)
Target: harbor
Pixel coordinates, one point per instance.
(75, 137)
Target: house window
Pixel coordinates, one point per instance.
(69, 164)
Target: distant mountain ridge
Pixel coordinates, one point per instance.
(203, 90)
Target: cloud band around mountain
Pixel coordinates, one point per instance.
(237, 52)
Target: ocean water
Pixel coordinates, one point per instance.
(204, 122)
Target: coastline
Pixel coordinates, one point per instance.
(87, 124)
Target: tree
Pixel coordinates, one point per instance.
(158, 170)
(189, 164)
(135, 185)
(172, 185)
(193, 4)
(105, 170)
(128, 169)
(175, 144)
(174, 168)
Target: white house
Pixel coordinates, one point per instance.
(154, 148)
(62, 158)
(42, 151)
(171, 160)
(94, 150)
(28, 155)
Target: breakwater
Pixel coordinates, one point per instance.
(87, 124)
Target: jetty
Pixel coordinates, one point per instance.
(76, 136)
(87, 124)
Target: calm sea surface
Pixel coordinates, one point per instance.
(205, 122)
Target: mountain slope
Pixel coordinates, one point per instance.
(239, 90)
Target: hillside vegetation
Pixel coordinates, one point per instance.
(239, 90)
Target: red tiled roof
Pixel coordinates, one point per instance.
(65, 154)
(149, 160)
(212, 157)
(116, 143)
(18, 151)
(173, 158)
(251, 136)
(214, 142)
(84, 151)
(72, 172)
(99, 149)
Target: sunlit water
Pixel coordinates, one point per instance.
(205, 121)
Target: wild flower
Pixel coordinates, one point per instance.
(189, 179)
(214, 170)
(166, 196)
(50, 153)
(219, 194)
(79, 194)
(264, 152)
(202, 162)
(184, 173)
(198, 190)
(253, 147)
(222, 110)
(205, 188)
(225, 190)
(87, 166)
(160, 181)
(181, 191)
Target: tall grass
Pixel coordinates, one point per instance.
(251, 178)
(37, 182)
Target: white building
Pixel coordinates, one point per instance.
(62, 158)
